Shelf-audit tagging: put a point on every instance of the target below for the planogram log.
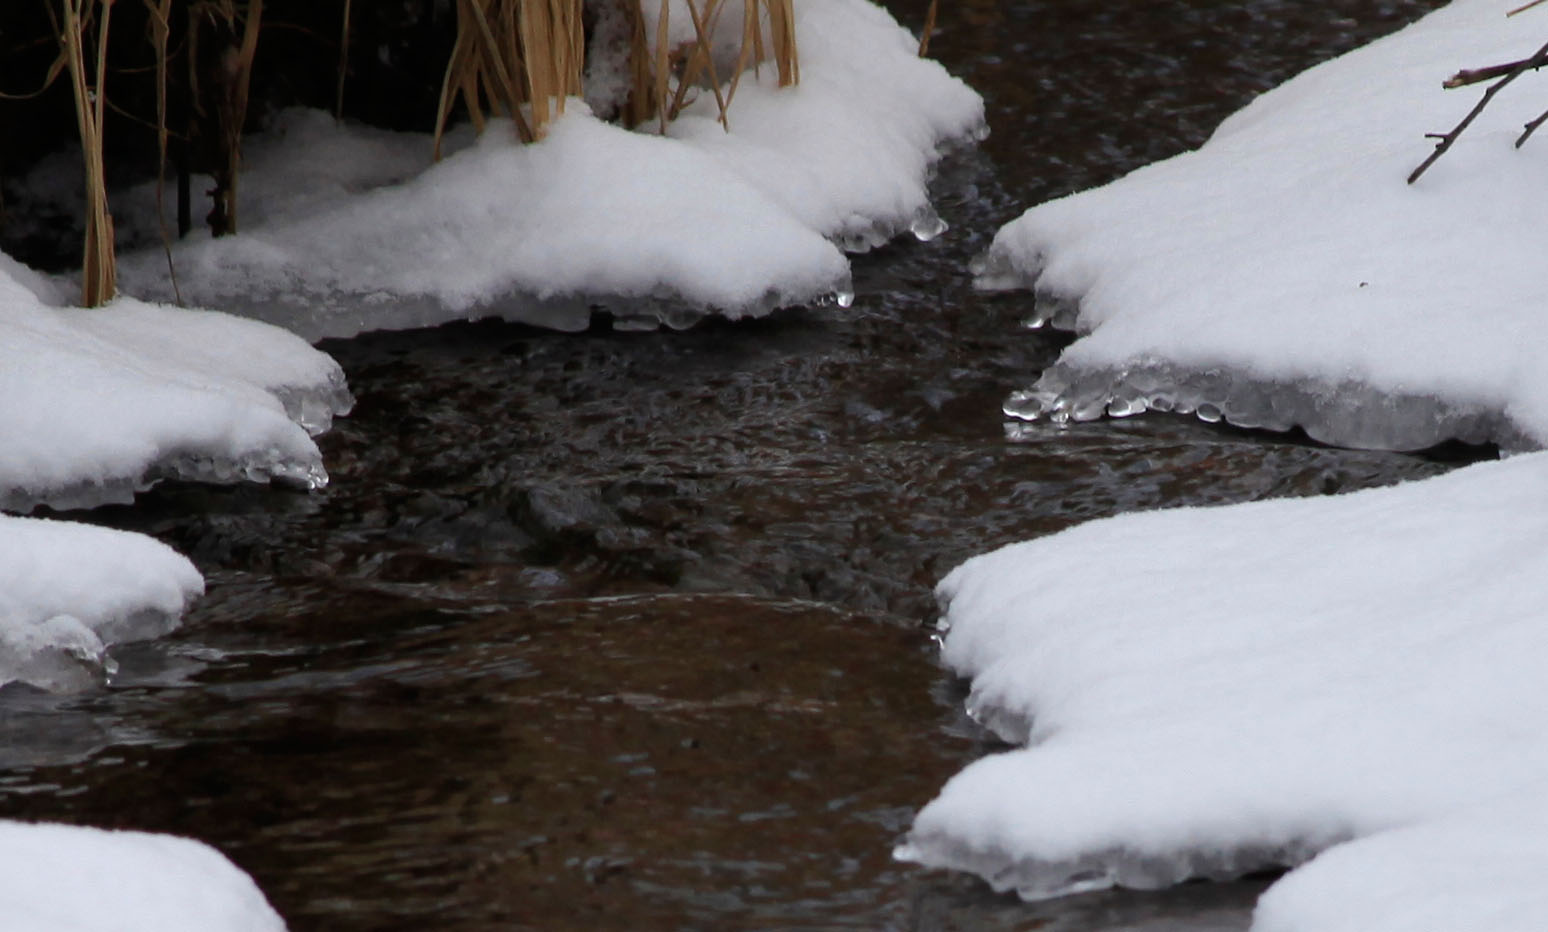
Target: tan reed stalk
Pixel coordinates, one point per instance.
(782, 39)
(752, 46)
(241, 83)
(700, 60)
(663, 63)
(929, 27)
(641, 104)
(161, 29)
(338, 95)
(98, 269)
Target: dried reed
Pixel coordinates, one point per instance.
(929, 27)
(98, 269)
(237, 66)
(338, 94)
(160, 15)
(522, 58)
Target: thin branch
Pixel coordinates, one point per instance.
(1478, 75)
(1532, 126)
(1536, 61)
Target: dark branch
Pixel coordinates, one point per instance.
(1531, 128)
(1477, 75)
(1539, 59)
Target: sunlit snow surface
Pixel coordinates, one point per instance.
(58, 878)
(1205, 692)
(656, 229)
(1285, 274)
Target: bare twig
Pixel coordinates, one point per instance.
(1478, 75)
(1447, 139)
(1532, 126)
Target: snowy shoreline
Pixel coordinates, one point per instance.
(1289, 251)
(657, 229)
(1344, 686)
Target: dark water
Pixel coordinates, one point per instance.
(627, 631)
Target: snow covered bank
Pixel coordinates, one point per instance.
(1285, 274)
(58, 878)
(68, 591)
(657, 229)
(1209, 691)
(98, 404)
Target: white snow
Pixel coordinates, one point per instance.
(59, 878)
(97, 404)
(659, 229)
(1209, 691)
(68, 591)
(1479, 871)
(1285, 273)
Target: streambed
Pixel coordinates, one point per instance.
(623, 630)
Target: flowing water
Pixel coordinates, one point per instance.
(621, 630)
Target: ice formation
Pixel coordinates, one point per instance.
(1284, 273)
(1204, 692)
(657, 229)
(68, 591)
(61, 878)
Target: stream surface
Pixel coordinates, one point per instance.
(629, 631)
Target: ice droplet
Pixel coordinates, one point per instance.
(927, 224)
(1025, 405)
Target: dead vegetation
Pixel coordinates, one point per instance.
(517, 59)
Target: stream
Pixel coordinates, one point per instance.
(631, 630)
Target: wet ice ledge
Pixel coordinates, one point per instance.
(102, 404)
(1346, 413)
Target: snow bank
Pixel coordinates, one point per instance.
(1210, 691)
(97, 404)
(68, 591)
(1480, 871)
(58, 878)
(1285, 274)
(657, 229)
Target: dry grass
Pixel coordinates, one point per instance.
(522, 58)
(519, 58)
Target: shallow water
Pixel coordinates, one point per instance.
(628, 630)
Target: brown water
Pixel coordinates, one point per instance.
(627, 630)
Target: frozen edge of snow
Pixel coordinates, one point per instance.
(1350, 413)
(312, 406)
(346, 315)
(1034, 879)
